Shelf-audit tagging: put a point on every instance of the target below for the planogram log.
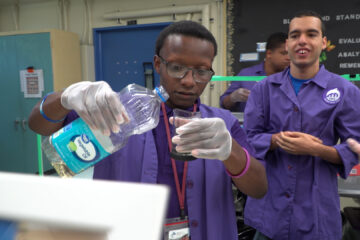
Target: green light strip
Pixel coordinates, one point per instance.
(40, 159)
(350, 77)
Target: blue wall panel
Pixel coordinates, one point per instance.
(120, 53)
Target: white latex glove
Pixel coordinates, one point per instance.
(205, 138)
(240, 95)
(97, 104)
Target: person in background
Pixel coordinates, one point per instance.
(184, 54)
(294, 119)
(354, 146)
(276, 60)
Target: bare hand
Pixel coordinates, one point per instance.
(298, 143)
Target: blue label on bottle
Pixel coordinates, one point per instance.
(77, 146)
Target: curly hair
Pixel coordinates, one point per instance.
(186, 28)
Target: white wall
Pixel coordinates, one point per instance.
(80, 16)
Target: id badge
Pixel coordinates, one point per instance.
(177, 229)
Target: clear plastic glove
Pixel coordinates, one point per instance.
(204, 138)
(240, 95)
(97, 104)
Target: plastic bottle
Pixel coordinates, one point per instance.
(76, 147)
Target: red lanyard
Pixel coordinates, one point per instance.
(180, 194)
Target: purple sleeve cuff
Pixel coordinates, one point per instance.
(349, 159)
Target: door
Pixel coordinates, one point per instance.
(124, 55)
(18, 143)
(11, 144)
(33, 50)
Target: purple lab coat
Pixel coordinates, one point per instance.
(256, 70)
(302, 201)
(209, 196)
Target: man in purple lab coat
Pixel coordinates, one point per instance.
(294, 120)
(276, 60)
(183, 57)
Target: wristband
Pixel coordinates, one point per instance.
(247, 165)
(43, 114)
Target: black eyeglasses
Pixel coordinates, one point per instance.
(179, 71)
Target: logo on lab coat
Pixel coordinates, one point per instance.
(332, 96)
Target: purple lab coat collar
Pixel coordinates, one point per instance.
(278, 78)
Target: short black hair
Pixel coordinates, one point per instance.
(275, 40)
(311, 13)
(186, 28)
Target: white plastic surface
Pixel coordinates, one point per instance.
(123, 210)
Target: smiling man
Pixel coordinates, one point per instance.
(294, 120)
(201, 200)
